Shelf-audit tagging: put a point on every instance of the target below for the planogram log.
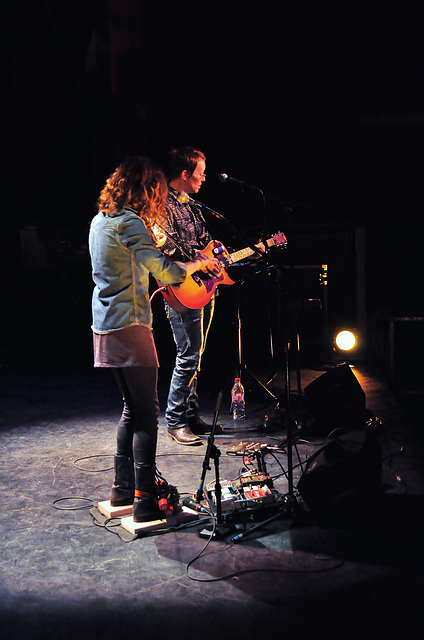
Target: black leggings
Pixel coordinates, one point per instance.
(138, 427)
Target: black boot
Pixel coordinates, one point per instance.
(122, 491)
(145, 507)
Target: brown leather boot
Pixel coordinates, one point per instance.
(184, 436)
(122, 491)
(145, 507)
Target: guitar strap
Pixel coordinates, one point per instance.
(184, 198)
(194, 206)
(175, 243)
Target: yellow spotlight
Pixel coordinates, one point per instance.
(346, 340)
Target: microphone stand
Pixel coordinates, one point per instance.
(218, 531)
(263, 254)
(290, 502)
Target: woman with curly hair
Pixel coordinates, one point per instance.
(123, 252)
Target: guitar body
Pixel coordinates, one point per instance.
(197, 290)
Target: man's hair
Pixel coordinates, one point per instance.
(183, 159)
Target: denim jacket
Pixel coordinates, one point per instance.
(122, 256)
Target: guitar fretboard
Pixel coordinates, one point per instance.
(244, 253)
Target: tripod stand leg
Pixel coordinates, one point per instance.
(264, 387)
(241, 365)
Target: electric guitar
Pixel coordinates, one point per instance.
(196, 291)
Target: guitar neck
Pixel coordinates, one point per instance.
(245, 253)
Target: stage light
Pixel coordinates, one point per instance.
(346, 340)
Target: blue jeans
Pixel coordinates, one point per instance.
(190, 330)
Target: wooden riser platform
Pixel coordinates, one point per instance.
(125, 513)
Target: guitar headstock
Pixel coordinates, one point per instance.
(278, 240)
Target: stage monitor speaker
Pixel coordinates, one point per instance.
(341, 483)
(336, 399)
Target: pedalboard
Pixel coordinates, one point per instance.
(250, 491)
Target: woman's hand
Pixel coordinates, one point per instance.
(203, 263)
(208, 264)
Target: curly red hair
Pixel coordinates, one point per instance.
(137, 183)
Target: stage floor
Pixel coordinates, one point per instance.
(68, 574)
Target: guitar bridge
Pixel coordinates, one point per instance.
(197, 279)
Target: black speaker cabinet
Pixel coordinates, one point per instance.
(336, 399)
(341, 483)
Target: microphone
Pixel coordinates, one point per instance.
(224, 178)
(184, 198)
(191, 504)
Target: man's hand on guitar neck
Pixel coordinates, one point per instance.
(261, 250)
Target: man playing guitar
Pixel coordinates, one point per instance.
(190, 307)
(186, 235)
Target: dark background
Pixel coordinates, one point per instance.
(318, 104)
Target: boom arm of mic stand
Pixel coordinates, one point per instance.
(235, 231)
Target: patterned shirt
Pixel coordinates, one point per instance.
(187, 226)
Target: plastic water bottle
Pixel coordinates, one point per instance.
(237, 401)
